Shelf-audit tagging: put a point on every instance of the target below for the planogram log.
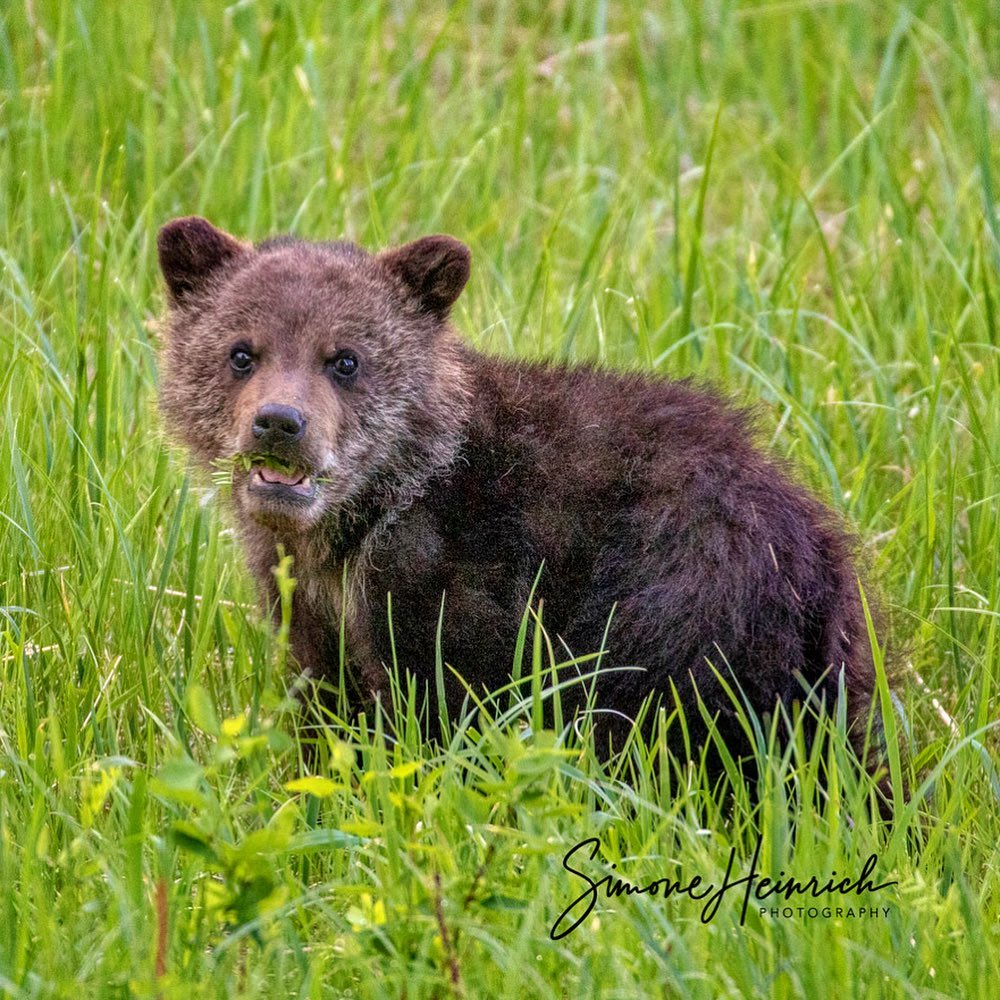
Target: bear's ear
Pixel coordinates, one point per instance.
(433, 271)
(190, 249)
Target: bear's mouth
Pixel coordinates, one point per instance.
(272, 478)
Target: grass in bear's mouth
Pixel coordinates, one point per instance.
(268, 462)
(225, 467)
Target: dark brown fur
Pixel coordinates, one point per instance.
(449, 472)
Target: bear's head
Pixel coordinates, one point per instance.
(326, 377)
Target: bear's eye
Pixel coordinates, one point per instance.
(344, 364)
(241, 360)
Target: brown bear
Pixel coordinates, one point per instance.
(376, 448)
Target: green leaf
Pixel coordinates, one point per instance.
(201, 710)
(405, 770)
(180, 781)
(341, 756)
(315, 785)
(279, 741)
(362, 828)
(322, 840)
(257, 844)
(192, 838)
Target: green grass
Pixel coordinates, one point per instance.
(796, 199)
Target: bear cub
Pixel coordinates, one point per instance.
(376, 448)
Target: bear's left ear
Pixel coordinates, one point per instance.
(433, 271)
(190, 250)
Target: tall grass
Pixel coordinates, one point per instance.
(796, 199)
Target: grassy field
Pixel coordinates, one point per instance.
(795, 199)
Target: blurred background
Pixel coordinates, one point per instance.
(793, 198)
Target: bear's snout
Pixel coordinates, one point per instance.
(276, 424)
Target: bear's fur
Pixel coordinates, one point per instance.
(428, 469)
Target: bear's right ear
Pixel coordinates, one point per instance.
(190, 250)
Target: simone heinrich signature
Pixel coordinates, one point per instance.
(778, 896)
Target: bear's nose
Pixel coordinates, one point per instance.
(278, 424)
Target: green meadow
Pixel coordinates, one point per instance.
(795, 200)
